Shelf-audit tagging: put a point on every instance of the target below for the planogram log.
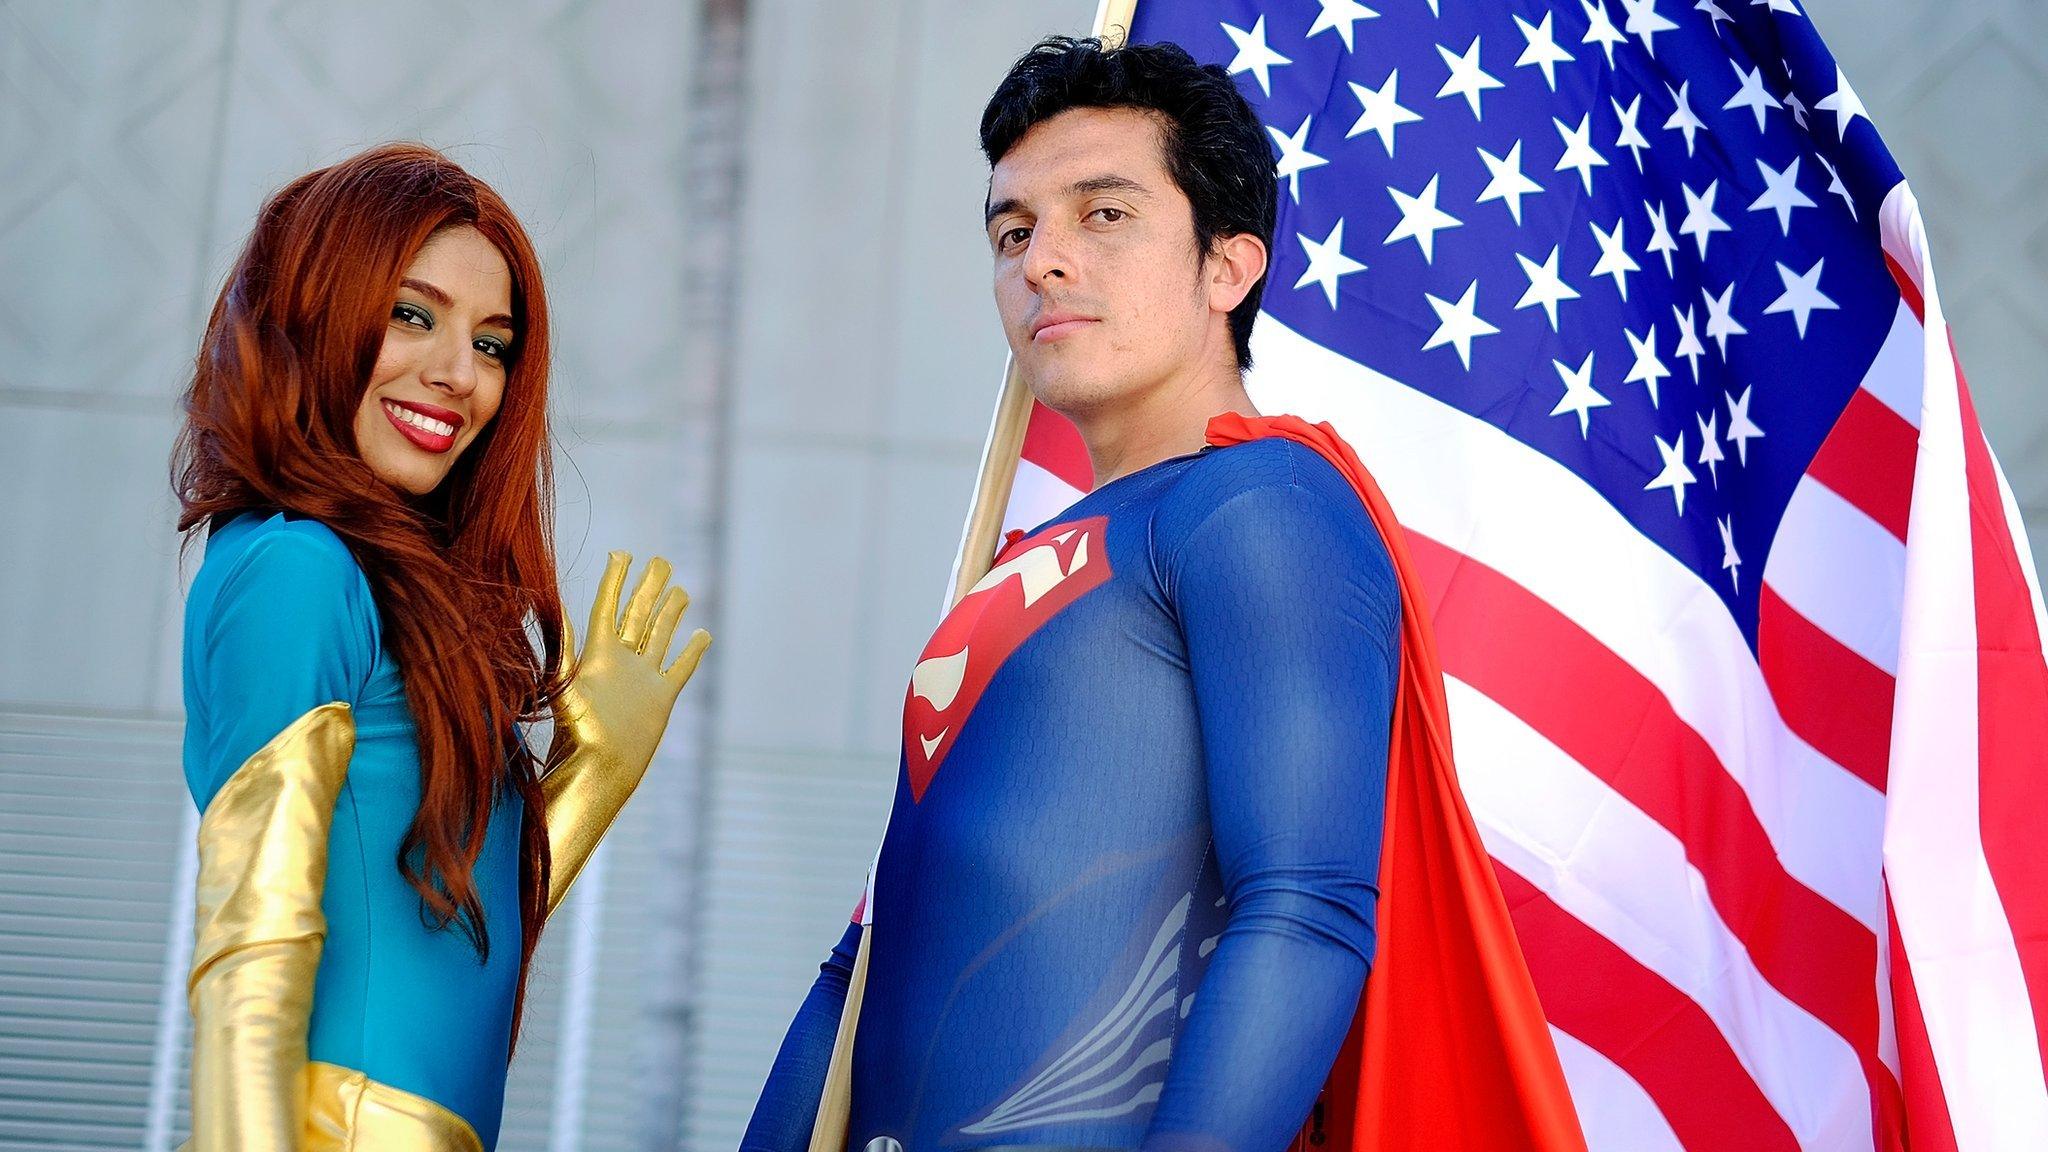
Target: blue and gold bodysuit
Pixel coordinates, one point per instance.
(280, 621)
(1126, 895)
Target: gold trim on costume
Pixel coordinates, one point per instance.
(349, 1112)
(258, 931)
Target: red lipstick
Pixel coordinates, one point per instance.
(430, 427)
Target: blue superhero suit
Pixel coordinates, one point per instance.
(280, 621)
(1126, 895)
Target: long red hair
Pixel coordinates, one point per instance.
(458, 574)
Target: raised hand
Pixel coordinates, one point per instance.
(610, 718)
(619, 694)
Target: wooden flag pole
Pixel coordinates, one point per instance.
(1013, 407)
(999, 456)
(977, 552)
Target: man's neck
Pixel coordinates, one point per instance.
(1163, 422)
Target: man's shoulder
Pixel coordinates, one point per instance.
(1265, 516)
(1256, 477)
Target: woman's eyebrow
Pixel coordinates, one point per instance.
(497, 320)
(428, 290)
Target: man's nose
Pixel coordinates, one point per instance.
(1047, 258)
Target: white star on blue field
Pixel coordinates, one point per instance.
(1619, 230)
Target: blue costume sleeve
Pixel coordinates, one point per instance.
(789, 1102)
(293, 626)
(1291, 612)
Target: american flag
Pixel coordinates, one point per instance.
(1631, 313)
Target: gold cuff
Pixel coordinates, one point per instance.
(347, 1110)
(585, 793)
(262, 868)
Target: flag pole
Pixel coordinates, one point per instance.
(999, 453)
(977, 552)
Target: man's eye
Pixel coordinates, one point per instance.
(413, 315)
(1109, 215)
(1013, 236)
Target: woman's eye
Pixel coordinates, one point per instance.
(491, 346)
(412, 314)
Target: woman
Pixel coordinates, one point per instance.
(366, 448)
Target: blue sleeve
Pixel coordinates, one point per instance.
(789, 1101)
(293, 626)
(1291, 612)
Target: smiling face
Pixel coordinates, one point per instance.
(441, 372)
(1102, 292)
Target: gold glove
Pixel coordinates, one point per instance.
(610, 718)
(262, 867)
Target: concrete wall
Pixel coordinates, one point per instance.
(866, 369)
(777, 358)
(137, 141)
(1957, 88)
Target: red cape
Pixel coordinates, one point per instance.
(1449, 1051)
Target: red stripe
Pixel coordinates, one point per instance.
(1908, 291)
(1868, 460)
(1532, 660)
(1663, 1039)
(1927, 1124)
(1830, 696)
(2012, 719)
(1053, 443)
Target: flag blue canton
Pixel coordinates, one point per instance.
(1622, 233)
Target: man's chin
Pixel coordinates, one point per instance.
(1066, 392)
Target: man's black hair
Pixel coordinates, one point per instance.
(1216, 149)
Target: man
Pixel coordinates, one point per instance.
(1127, 895)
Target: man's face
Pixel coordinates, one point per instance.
(1097, 278)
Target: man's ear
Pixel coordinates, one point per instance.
(1235, 264)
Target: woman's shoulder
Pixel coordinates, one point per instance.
(279, 621)
(267, 573)
(289, 553)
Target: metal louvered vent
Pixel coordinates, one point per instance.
(96, 876)
(92, 819)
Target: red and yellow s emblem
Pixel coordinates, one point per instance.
(1032, 581)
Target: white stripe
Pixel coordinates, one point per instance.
(1623, 875)
(1841, 570)
(1894, 377)
(1472, 487)
(1615, 1113)
(1965, 966)
(1037, 496)
(1887, 1021)
(1127, 1016)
